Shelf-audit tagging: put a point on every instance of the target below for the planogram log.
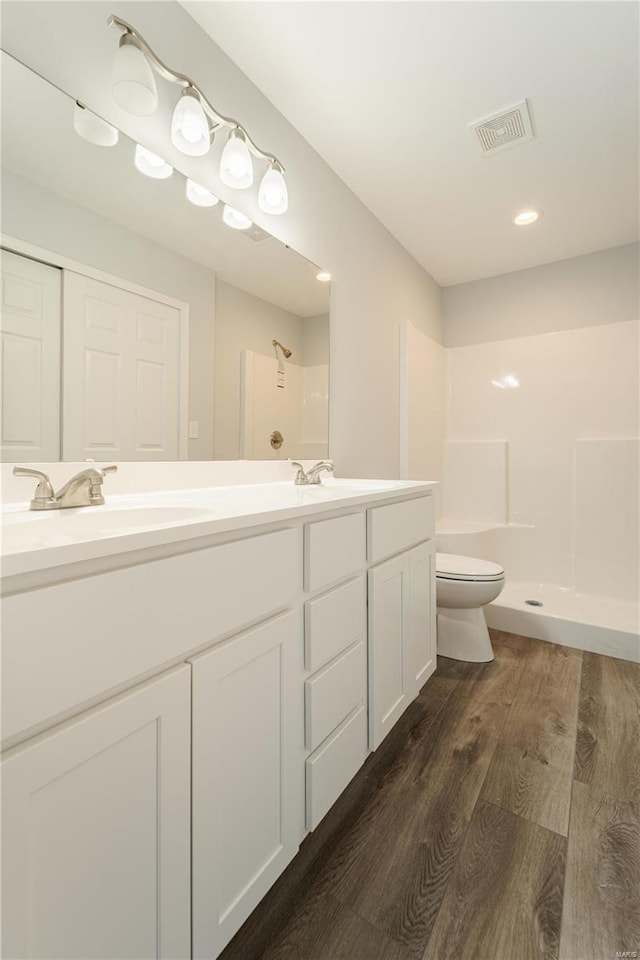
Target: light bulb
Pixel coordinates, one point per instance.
(233, 218)
(93, 128)
(236, 168)
(151, 164)
(189, 126)
(323, 276)
(527, 217)
(134, 86)
(272, 195)
(200, 195)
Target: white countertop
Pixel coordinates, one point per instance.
(34, 541)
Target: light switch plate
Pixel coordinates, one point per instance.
(194, 429)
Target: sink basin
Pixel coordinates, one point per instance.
(29, 529)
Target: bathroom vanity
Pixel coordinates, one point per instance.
(190, 680)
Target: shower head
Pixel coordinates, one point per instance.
(285, 350)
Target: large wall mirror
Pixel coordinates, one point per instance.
(136, 324)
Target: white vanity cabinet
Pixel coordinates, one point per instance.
(401, 612)
(148, 819)
(95, 816)
(248, 788)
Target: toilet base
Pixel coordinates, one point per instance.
(463, 635)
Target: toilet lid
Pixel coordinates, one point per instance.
(450, 566)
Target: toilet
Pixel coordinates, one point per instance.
(464, 585)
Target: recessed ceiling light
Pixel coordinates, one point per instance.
(323, 277)
(526, 217)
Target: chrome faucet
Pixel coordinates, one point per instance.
(312, 475)
(83, 490)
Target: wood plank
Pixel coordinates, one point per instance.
(524, 645)
(602, 894)
(505, 896)
(323, 929)
(394, 866)
(529, 787)
(543, 717)
(608, 746)
(486, 690)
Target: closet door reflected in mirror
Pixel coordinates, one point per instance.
(30, 325)
(121, 393)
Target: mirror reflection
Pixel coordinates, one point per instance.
(136, 324)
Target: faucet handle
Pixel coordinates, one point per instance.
(301, 476)
(95, 482)
(44, 491)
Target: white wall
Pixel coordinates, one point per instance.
(47, 220)
(570, 425)
(375, 285)
(423, 402)
(315, 341)
(581, 292)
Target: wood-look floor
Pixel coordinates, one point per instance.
(500, 820)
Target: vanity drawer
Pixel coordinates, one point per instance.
(333, 693)
(334, 622)
(333, 550)
(398, 526)
(170, 606)
(334, 765)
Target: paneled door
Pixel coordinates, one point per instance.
(248, 775)
(421, 659)
(390, 687)
(121, 393)
(95, 832)
(402, 635)
(30, 336)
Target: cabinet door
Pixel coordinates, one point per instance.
(95, 831)
(421, 654)
(390, 691)
(248, 775)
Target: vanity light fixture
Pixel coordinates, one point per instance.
(134, 89)
(527, 217)
(151, 164)
(134, 86)
(323, 276)
(93, 128)
(233, 218)
(189, 125)
(236, 168)
(272, 195)
(199, 195)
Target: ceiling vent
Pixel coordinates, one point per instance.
(505, 129)
(256, 233)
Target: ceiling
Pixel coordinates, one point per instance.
(105, 181)
(384, 91)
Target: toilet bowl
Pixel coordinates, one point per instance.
(464, 585)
